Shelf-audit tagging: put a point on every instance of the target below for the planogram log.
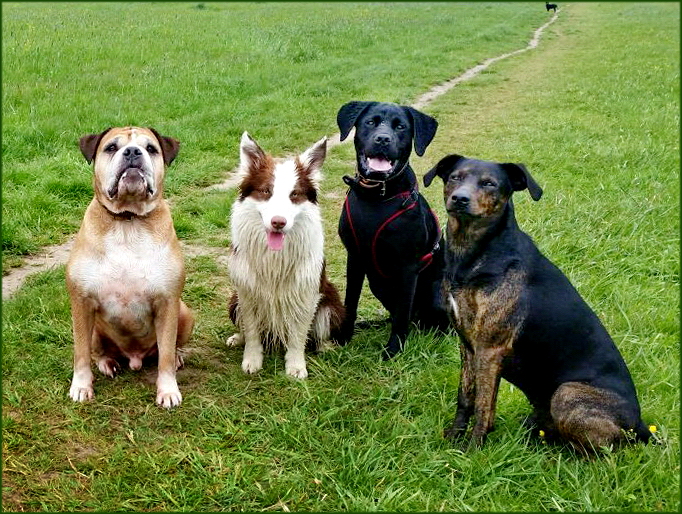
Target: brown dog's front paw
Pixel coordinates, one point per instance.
(108, 366)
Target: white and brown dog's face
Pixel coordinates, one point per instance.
(129, 167)
(279, 190)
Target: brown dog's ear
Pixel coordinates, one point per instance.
(521, 179)
(89, 143)
(169, 146)
(424, 129)
(442, 169)
(348, 114)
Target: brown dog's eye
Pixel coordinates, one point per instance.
(152, 149)
(111, 148)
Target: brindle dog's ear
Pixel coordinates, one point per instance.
(521, 179)
(169, 146)
(442, 169)
(348, 114)
(424, 127)
(89, 143)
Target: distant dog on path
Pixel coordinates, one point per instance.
(276, 261)
(550, 6)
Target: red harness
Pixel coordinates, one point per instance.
(408, 204)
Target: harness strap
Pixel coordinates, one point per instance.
(428, 258)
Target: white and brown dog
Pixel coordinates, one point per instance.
(126, 269)
(276, 260)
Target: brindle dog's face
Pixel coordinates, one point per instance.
(476, 189)
(480, 189)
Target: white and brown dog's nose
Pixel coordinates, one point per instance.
(278, 222)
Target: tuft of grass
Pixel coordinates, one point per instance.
(597, 129)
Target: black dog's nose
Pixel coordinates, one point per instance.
(382, 139)
(132, 153)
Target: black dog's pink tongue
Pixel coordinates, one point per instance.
(275, 240)
(379, 164)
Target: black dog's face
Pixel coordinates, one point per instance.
(383, 140)
(480, 189)
(384, 134)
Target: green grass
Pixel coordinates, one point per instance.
(594, 115)
(278, 70)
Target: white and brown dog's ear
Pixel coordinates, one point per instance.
(250, 154)
(169, 146)
(312, 159)
(442, 169)
(89, 143)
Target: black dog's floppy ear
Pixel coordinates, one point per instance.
(442, 169)
(169, 146)
(424, 127)
(89, 143)
(348, 114)
(521, 179)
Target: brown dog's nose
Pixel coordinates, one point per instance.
(131, 153)
(278, 222)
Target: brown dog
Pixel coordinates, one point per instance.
(126, 270)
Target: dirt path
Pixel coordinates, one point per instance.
(57, 255)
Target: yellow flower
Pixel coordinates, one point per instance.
(652, 429)
(542, 433)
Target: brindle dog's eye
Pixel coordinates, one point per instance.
(455, 178)
(370, 122)
(152, 149)
(487, 183)
(111, 148)
(400, 126)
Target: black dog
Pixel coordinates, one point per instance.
(520, 318)
(390, 232)
(550, 6)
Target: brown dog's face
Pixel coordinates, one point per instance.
(480, 189)
(129, 167)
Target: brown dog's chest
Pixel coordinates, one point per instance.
(124, 281)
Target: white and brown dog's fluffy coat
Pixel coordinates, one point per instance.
(276, 261)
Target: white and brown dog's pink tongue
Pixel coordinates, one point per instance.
(275, 240)
(379, 164)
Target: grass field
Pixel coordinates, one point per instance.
(593, 112)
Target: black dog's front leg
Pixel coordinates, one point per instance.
(355, 276)
(404, 289)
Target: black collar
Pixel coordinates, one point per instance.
(123, 215)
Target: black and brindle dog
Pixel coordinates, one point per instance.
(550, 6)
(519, 317)
(389, 231)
